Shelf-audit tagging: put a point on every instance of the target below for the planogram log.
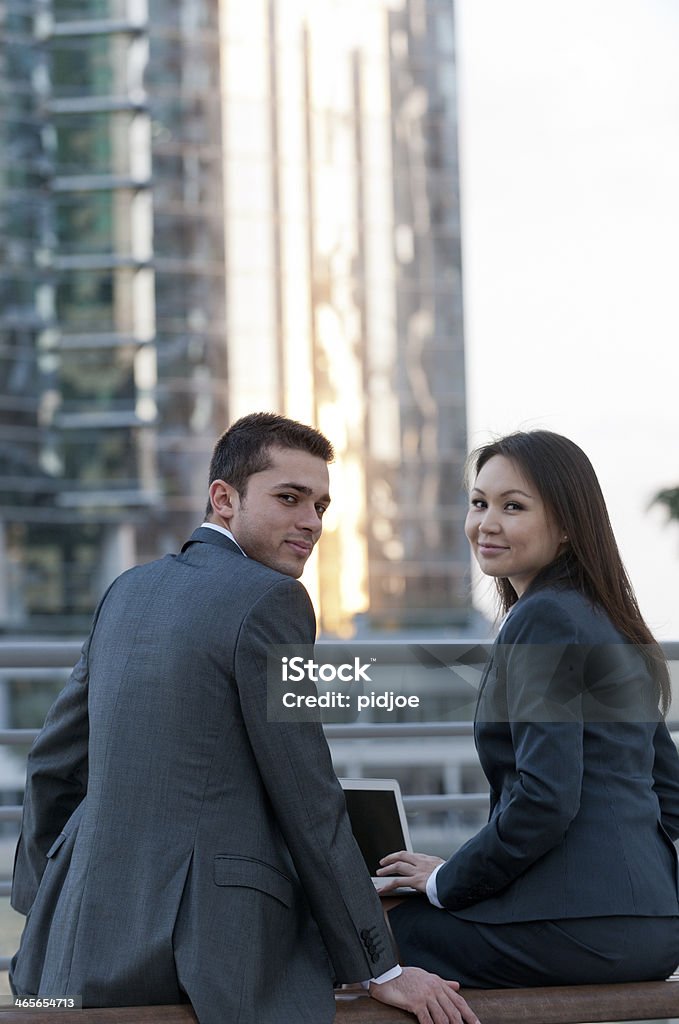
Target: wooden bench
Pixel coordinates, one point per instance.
(572, 1004)
(568, 1004)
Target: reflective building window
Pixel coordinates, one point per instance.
(190, 190)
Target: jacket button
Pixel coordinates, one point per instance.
(374, 958)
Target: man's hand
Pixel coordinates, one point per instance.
(430, 998)
(408, 869)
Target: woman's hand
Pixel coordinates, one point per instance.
(405, 868)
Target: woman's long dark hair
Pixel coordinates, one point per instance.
(566, 482)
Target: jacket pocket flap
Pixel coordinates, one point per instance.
(61, 838)
(253, 874)
(69, 829)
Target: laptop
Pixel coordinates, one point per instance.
(378, 821)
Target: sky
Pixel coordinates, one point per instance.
(569, 163)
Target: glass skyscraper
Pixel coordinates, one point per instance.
(208, 209)
(112, 320)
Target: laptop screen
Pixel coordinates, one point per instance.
(376, 823)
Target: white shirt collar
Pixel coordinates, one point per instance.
(227, 533)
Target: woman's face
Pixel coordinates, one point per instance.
(511, 532)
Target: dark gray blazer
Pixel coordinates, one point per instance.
(174, 842)
(584, 778)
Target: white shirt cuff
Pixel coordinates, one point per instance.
(432, 894)
(393, 972)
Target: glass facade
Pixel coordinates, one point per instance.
(209, 208)
(417, 547)
(344, 281)
(112, 324)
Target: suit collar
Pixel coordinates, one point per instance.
(204, 536)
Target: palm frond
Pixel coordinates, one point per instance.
(670, 499)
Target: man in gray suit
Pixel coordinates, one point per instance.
(175, 844)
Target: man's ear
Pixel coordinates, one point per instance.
(223, 498)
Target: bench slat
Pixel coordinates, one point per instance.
(568, 1004)
(108, 1015)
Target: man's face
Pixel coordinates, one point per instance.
(279, 519)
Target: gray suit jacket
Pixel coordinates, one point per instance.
(174, 843)
(584, 778)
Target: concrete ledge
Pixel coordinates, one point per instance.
(568, 1004)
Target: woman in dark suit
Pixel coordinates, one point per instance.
(574, 879)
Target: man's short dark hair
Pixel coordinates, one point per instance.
(245, 448)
